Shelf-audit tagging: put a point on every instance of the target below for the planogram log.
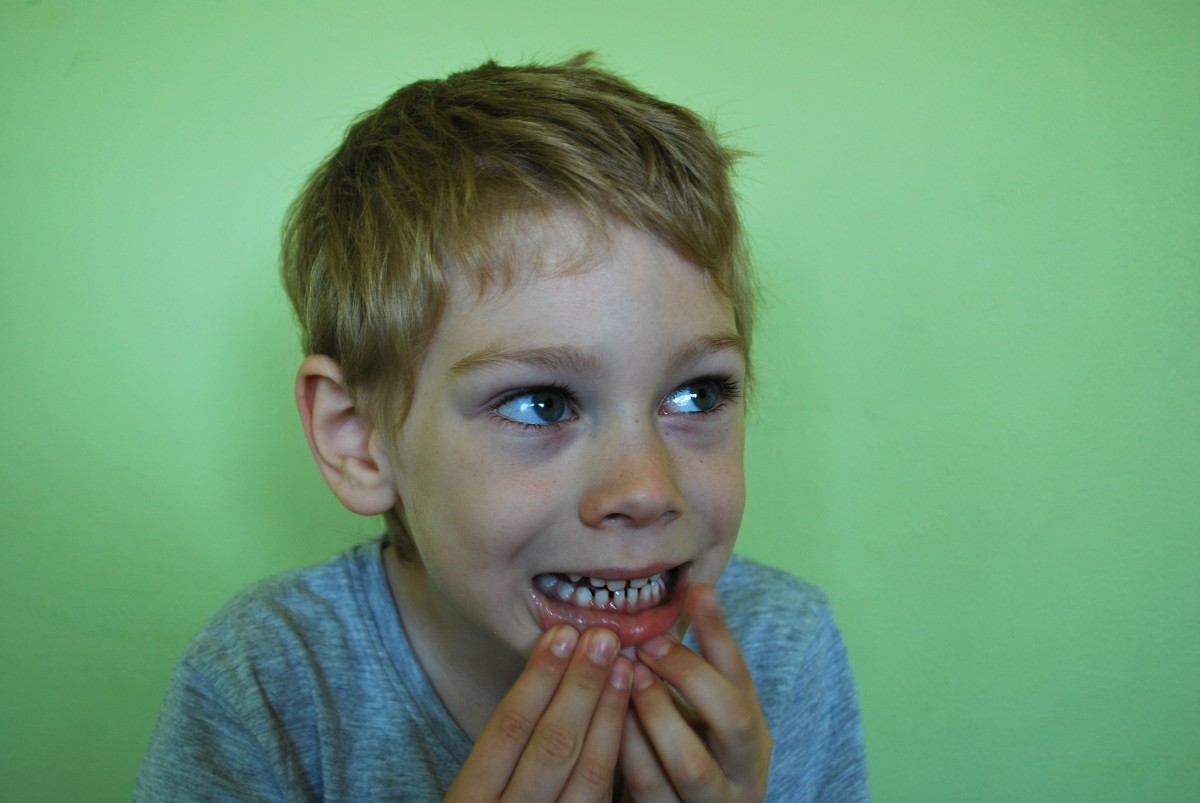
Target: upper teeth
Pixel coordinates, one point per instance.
(597, 592)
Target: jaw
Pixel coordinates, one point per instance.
(558, 600)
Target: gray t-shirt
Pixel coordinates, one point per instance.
(305, 687)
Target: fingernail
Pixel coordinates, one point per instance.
(657, 647)
(562, 642)
(602, 646)
(622, 673)
(643, 678)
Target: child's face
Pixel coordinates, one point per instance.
(582, 422)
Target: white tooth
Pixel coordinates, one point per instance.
(596, 582)
(646, 594)
(618, 598)
(600, 597)
(564, 591)
(583, 597)
(655, 578)
(631, 602)
(574, 578)
(615, 585)
(547, 582)
(639, 582)
(656, 592)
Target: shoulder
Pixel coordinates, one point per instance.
(800, 669)
(310, 591)
(745, 577)
(280, 627)
(768, 607)
(252, 702)
(783, 624)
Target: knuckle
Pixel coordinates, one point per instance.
(594, 774)
(756, 791)
(555, 744)
(589, 680)
(515, 726)
(694, 769)
(742, 724)
(691, 674)
(645, 784)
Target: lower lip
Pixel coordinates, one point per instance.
(632, 628)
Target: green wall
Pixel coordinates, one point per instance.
(977, 425)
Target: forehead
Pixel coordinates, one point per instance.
(518, 246)
(566, 270)
(532, 246)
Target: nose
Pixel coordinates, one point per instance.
(632, 481)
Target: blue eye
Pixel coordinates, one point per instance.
(700, 396)
(539, 407)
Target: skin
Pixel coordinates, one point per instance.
(585, 420)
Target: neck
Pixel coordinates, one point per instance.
(463, 670)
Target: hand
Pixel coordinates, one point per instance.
(556, 735)
(720, 750)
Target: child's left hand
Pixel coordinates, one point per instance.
(721, 755)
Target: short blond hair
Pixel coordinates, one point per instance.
(426, 186)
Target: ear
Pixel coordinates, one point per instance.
(341, 440)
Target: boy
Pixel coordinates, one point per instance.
(527, 314)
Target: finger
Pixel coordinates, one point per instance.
(731, 713)
(644, 777)
(689, 765)
(732, 719)
(716, 640)
(492, 760)
(557, 739)
(592, 778)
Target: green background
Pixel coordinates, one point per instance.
(977, 425)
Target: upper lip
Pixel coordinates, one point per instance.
(614, 573)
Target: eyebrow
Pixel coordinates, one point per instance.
(560, 358)
(710, 344)
(567, 359)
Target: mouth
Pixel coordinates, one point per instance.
(636, 606)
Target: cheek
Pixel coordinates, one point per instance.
(718, 503)
(475, 510)
(728, 501)
(719, 494)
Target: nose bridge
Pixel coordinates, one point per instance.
(632, 478)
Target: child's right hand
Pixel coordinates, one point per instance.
(556, 735)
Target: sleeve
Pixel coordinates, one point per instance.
(819, 750)
(201, 749)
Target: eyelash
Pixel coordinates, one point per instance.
(730, 390)
(553, 387)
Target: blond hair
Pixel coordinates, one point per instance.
(427, 185)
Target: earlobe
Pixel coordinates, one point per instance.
(341, 439)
